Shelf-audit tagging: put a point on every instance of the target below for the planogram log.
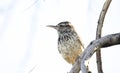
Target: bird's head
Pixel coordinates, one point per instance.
(63, 27)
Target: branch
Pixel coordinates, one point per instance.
(98, 33)
(102, 14)
(105, 41)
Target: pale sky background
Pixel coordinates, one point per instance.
(28, 46)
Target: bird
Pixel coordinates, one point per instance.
(70, 45)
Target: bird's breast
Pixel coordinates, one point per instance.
(70, 49)
(68, 46)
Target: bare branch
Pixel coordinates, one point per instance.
(102, 15)
(105, 41)
(98, 33)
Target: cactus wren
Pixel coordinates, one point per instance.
(69, 43)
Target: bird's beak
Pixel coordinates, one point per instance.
(52, 26)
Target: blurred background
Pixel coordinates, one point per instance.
(28, 46)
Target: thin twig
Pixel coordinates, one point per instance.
(98, 33)
(32, 69)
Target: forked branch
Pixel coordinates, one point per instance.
(106, 41)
